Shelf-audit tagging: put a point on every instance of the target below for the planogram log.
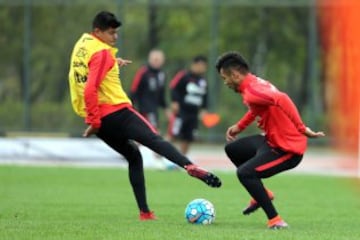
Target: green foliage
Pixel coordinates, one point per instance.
(274, 40)
(75, 203)
(45, 117)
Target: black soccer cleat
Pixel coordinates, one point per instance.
(202, 174)
(253, 205)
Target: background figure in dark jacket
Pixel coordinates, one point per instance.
(189, 100)
(148, 88)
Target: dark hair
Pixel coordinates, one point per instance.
(232, 60)
(105, 20)
(199, 58)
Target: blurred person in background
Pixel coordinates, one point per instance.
(189, 100)
(148, 92)
(280, 148)
(97, 95)
(148, 88)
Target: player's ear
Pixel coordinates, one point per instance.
(97, 30)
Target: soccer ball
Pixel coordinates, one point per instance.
(200, 211)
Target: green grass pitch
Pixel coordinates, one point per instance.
(82, 203)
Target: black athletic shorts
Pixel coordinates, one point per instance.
(185, 127)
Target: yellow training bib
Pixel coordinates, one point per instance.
(110, 90)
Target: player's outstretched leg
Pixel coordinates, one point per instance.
(254, 186)
(266, 163)
(131, 153)
(136, 176)
(141, 131)
(164, 148)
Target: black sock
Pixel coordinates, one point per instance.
(136, 176)
(137, 181)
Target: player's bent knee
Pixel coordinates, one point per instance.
(133, 154)
(244, 173)
(228, 150)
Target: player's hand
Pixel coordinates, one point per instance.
(123, 62)
(168, 113)
(311, 134)
(90, 130)
(175, 107)
(232, 132)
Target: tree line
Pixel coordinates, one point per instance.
(275, 40)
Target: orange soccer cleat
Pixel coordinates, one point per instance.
(145, 216)
(277, 223)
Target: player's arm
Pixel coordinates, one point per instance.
(99, 64)
(162, 101)
(175, 105)
(162, 96)
(123, 62)
(177, 91)
(135, 90)
(175, 99)
(289, 108)
(205, 104)
(311, 134)
(235, 129)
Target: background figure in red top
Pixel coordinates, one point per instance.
(148, 88)
(282, 145)
(189, 99)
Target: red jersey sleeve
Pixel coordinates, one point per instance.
(137, 79)
(100, 63)
(246, 120)
(176, 86)
(176, 80)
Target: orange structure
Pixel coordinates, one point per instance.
(340, 40)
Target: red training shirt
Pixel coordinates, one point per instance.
(277, 115)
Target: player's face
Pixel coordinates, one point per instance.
(230, 79)
(199, 68)
(108, 36)
(156, 59)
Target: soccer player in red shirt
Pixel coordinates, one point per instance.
(283, 143)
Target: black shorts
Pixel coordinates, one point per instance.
(254, 154)
(185, 128)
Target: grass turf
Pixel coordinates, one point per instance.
(75, 203)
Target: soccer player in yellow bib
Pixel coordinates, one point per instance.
(97, 96)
